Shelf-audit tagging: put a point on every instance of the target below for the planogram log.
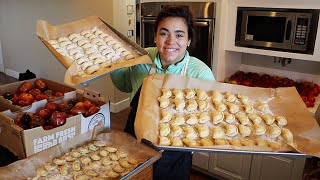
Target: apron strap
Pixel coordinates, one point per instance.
(183, 70)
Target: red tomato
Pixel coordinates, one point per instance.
(40, 84)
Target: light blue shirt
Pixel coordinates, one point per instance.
(130, 79)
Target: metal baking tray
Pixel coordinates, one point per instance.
(188, 149)
(207, 150)
(143, 166)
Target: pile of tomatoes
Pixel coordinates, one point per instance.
(307, 90)
(29, 93)
(55, 114)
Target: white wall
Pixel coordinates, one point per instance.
(21, 47)
(22, 50)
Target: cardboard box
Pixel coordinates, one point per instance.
(13, 88)
(24, 143)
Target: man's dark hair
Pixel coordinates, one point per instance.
(171, 10)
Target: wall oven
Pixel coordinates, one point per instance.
(280, 29)
(204, 14)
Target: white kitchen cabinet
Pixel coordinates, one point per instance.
(276, 168)
(230, 166)
(249, 167)
(201, 160)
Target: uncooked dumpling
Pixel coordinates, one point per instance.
(191, 105)
(259, 129)
(216, 96)
(233, 108)
(178, 93)
(229, 118)
(176, 130)
(203, 131)
(166, 115)
(260, 142)
(230, 97)
(164, 129)
(164, 102)
(246, 142)
(231, 130)
(189, 93)
(235, 142)
(190, 132)
(217, 117)
(178, 120)
(287, 134)
(248, 108)
(176, 142)
(217, 133)
(201, 94)
(281, 121)
(273, 144)
(220, 142)
(263, 107)
(244, 130)
(244, 99)
(164, 141)
(62, 39)
(256, 119)
(179, 104)
(220, 106)
(203, 105)
(242, 118)
(206, 142)
(166, 93)
(273, 131)
(190, 142)
(204, 117)
(268, 119)
(192, 119)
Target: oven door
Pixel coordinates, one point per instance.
(201, 45)
(147, 32)
(267, 29)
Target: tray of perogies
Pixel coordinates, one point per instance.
(196, 118)
(93, 160)
(92, 49)
(112, 155)
(89, 48)
(188, 114)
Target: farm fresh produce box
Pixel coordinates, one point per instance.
(33, 130)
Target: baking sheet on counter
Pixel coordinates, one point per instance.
(46, 31)
(281, 101)
(26, 168)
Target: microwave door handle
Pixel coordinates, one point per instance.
(288, 30)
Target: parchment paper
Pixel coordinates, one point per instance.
(282, 101)
(46, 31)
(26, 168)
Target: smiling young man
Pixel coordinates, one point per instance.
(173, 34)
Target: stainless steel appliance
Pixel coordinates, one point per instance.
(204, 15)
(284, 29)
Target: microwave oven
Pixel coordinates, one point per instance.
(277, 29)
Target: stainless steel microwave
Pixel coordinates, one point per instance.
(282, 30)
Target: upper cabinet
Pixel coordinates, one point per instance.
(293, 30)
